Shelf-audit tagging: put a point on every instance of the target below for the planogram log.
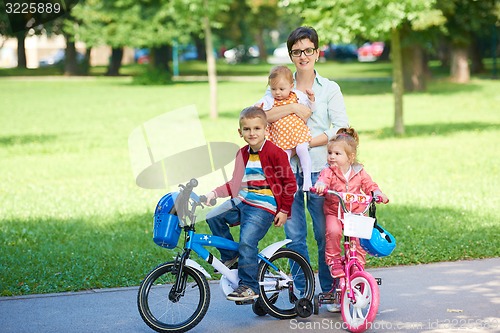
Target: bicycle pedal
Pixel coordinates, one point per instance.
(379, 281)
(250, 301)
(326, 298)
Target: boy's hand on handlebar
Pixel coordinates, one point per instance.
(210, 197)
(280, 219)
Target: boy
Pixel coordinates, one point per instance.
(261, 189)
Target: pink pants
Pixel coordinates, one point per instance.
(334, 238)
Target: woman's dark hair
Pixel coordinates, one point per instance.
(302, 33)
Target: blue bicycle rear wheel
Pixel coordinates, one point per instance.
(279, 301)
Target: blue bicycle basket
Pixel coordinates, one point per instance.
(166, 228)
(381, 244)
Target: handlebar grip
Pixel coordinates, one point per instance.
(192, 183)
(379, 200)
(314, 190)
(203, 199)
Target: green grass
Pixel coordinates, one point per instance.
(72, 218)
(330, 69)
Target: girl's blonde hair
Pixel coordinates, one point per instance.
(280, 72)
(350, 139)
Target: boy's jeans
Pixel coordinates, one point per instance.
(254, 224)
(296, 228)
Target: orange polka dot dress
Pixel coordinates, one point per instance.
(291, 130)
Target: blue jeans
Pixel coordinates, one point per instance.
(296, 228)
(254, 224)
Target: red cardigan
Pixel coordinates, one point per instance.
(278, 174)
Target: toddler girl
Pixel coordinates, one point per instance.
(343, 174)
(291, 131)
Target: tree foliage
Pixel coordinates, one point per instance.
(143, 23)
(464, 18)
(343, 20)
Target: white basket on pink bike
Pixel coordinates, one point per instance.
(359, 226)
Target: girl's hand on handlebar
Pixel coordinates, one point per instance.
(381, 197)
(320, 188)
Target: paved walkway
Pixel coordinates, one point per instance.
(461, 296)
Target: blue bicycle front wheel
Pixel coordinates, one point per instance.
(165, 310)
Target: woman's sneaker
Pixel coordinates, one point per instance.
(333, 307)
(242, 293)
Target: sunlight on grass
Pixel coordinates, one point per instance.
(72, 217)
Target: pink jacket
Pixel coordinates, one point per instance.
(359, 182)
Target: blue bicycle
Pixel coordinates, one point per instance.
(174, 297)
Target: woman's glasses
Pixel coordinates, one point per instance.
(308, 52)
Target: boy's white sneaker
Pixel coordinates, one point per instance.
(242, 293)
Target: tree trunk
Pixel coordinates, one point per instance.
(201, 49)
(262, 46)
(21, 51)
(459, 70)
(160, 57)
(211, 66)
(86, 62)
(413, 68)
(476, 50)
(397, 81)
(115, 62)
(425, 64)
(70, 63)
(443, 53)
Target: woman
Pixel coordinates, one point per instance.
(328, 117)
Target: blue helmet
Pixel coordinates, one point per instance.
(166, 228)
(381, 244)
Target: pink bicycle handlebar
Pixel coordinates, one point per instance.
(378, 199)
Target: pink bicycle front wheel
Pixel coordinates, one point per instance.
(360, 313)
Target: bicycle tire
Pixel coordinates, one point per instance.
(279, 302)
(165, 315)
(258, 309)
(359, 315)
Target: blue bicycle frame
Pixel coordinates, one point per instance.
(198, 242)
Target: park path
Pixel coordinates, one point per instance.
(462, 296)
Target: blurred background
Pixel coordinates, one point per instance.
(461, 34)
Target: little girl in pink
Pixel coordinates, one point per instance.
(343, 174)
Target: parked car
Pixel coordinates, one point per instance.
(280, 55)
(239, 54)
(141, 56)
(370, 51)
(341, 52)
(189, 52)
(58, 58)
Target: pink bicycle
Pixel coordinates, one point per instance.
(357, 292)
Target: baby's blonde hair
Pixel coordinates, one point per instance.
(349, 138)
(278, 72)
